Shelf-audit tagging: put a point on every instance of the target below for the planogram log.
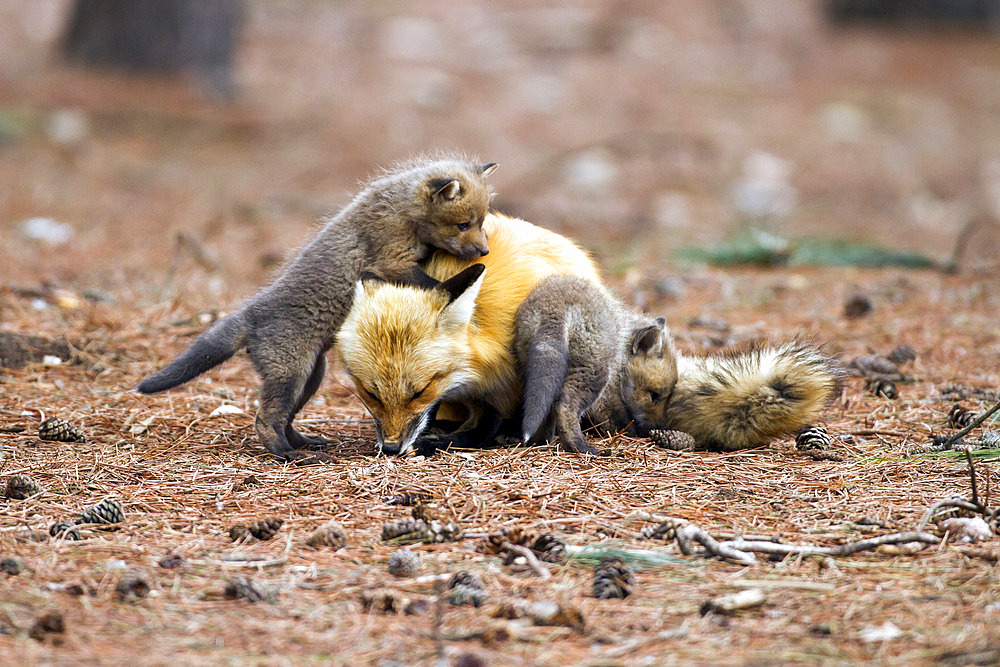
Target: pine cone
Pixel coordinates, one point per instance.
(20, 487)
(265, 529)
(388, 601)
(677, 441)
(131, 586)
(444, 531)
(881, 387)
(330, 534)
(989, 440)
(959, 417)
(902, 354)
(242, 588)
(59, 430)
(493, 543)
(239, 533)
(465, 578)
(404, 563)
(466, 596)
(65, 530)
(666, 530)
(549, 547)
(408, 529)
(613, 579)
(11, 565)
(812, 437)
(408, 498)
(107, 511)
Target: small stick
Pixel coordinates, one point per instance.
(774, 548)
(687, 534)
(972, 478)
(947, 502)
(536, 567)
(973, 424)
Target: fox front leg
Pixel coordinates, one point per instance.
(280, 396)
(296, 439)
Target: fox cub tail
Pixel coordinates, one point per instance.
(222, 341)
(750, 396)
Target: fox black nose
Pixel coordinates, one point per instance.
(390, 448)
(483, 252)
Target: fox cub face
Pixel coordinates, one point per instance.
(406, 348)
(651, 372)
(457, 204)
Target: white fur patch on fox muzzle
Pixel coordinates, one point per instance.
(413, 431)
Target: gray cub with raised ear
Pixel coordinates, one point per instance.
(388, 228)
(583, 353)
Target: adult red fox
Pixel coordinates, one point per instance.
(407, 348)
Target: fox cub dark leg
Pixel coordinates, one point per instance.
(582, 387)
(285, 376)
(296, 439)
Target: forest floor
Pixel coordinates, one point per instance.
(185, 477)
(156, 207)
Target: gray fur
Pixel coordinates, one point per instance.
(389, 227)
(573, 341)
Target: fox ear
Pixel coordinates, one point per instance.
(487, 169)
(462, 289)
(445, 188)
(647, 341)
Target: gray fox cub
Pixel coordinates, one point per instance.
(581, 352)
(585, 355)
(388, 228)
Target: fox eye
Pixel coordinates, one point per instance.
(654, 396)
(421, 392)
(373, 397)
(464, 226)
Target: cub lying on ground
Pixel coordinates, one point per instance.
(586, 356)
(389, 227)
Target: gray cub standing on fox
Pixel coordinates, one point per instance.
(388, 228)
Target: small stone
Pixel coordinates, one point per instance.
(330, 534)
(728, 604)
(20, 487)
(677, 441)
(108, 511)
(131, 586)
(64, 530)
(48, 623)
(404, 563)
(11, 565)
(858, 305)
(466, 596)
(901, 355)
(59, 430)
(242, 588)
(612, 579)
(548, 613)
(172, 561)
(812, 437)
(465, 578)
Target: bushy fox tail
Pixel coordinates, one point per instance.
(750, 396)
(223, 340)
(544, 375)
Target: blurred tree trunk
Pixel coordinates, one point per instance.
(157, 36)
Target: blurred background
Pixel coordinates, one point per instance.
(152, 149)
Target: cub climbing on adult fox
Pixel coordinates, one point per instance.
(391, 226)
